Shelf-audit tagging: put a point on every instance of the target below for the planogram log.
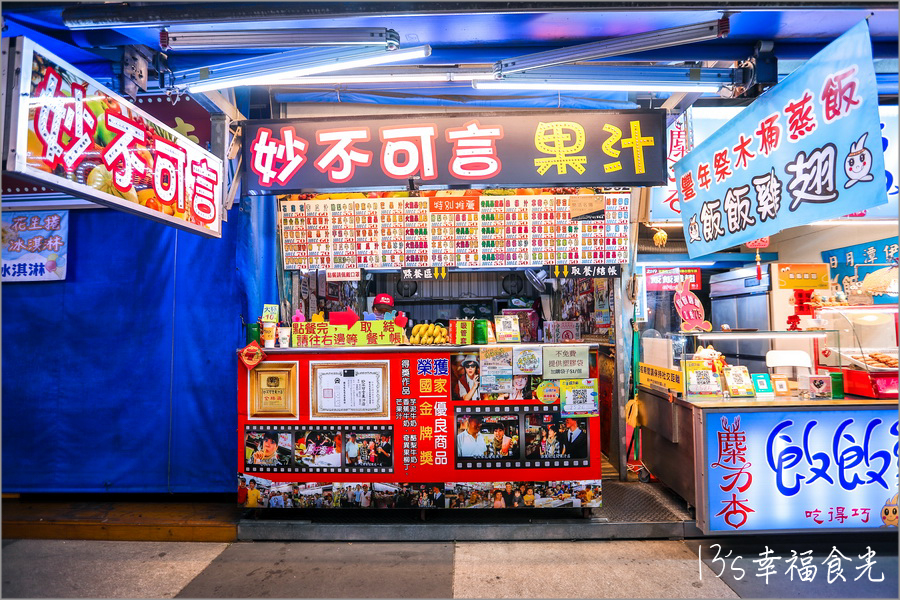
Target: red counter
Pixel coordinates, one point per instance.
(392, 418)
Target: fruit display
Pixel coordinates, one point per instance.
(428, 334)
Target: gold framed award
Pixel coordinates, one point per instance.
(272, 391)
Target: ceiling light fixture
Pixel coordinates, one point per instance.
(651, 40)
(411, 76)
(295, 63)
(278, 38)
(557, 84)
(626, 79)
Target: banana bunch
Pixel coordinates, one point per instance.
(428, 334)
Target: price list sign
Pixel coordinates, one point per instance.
(293, 234)
(451, 231)
(393, 232)
(415, 212)
(368, 233)
(318, 235)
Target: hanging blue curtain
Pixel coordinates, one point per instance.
(122, 378)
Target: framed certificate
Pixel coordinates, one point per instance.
(349, 390)
(272, 391)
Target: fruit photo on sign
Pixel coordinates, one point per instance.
(78, 132)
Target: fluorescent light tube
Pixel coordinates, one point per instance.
(674, 264)
(296, 63)
(651, 40)
(857, 222)
(555, 84)
(386, 77)
(749, 335)
(278, 38)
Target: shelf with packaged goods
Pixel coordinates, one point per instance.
(414, 348)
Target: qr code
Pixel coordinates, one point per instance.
(579, 396)
(703, 377)
(738, 378)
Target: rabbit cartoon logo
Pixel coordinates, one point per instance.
(889, 513)
(858, 163)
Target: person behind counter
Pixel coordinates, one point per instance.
(384, 303)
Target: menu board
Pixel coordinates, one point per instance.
(451, 231)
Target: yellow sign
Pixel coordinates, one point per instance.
(669, 379)
(361, 333)
(801, 276)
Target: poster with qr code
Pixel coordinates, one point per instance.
(579, 398)
(702, 382)
(739, 382)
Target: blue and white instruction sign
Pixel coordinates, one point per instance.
(35, 245)
(808, 149)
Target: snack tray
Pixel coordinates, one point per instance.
(892, 352)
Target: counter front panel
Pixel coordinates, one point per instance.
(325, 420)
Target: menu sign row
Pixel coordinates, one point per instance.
(470, 231)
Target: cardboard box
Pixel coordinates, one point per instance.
(561, 331)
(528, 322)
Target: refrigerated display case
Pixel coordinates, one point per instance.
(861, 344)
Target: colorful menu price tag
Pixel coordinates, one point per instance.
(270, 313)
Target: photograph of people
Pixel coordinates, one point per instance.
(469, 442)
(322, 449)
(551, 446)
(352, 448)
(498, 500)
(466, 377)
(519, 388)
(383, 451)
(574, 440)
(500, 442)
(267, 451)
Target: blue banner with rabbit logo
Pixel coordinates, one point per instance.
(808, 149)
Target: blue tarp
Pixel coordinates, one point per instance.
(122, 378)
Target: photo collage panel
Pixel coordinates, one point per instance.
(512, 437)
(318, 448)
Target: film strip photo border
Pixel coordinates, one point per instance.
(298, 464)
(520, 461)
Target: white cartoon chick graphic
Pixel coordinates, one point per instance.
(858, 163)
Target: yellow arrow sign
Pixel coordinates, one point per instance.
(443, 272)
(556, 271)
(566, 271)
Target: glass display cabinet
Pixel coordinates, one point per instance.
(860, 343)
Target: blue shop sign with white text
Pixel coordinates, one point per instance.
(850, 265)
(808, 149)
(815, 470)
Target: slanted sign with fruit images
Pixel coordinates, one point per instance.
(78, 136)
